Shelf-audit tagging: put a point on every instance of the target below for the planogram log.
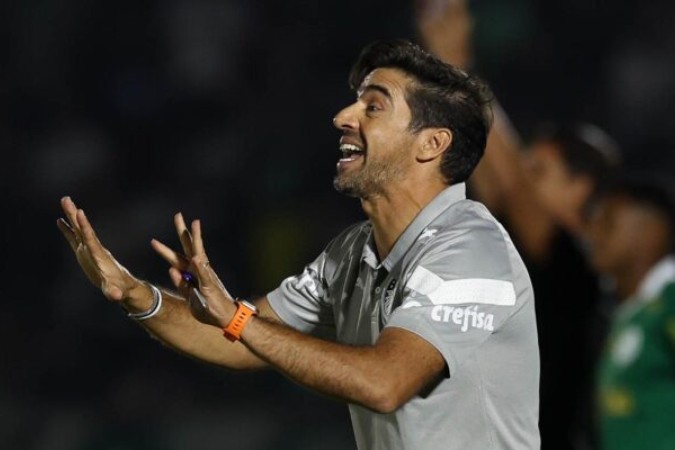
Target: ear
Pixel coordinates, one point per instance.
(435, 141)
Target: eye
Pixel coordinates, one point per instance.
(371, 107)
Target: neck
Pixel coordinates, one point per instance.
(628, 280)
(626, 285)
(391, 213)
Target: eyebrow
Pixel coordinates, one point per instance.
(377, 88)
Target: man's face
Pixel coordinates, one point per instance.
(376, 143)
(558, 190)
(617, 228)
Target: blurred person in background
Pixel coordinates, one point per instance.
(632, 241)
(541, 193)
(422, 317)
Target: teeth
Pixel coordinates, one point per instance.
(350, 148)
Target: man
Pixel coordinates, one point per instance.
(632, 242)
(544, 197)
(541, 192)
(421, 318)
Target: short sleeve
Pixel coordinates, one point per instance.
(303, 301)
(300, 301)
(462, 291)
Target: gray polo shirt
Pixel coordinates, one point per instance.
(455, 279)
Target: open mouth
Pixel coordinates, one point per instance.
(350, 152)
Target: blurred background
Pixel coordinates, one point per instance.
(222, 110)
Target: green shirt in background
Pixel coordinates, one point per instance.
(637, 371)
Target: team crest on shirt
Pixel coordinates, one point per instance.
(627, 346)
(389, 295)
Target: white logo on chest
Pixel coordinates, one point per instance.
(428, 233)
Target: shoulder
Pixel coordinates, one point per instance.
(470, 242)
(470, 259)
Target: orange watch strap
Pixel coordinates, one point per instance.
(234, 329)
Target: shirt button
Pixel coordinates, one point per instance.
(377, 290)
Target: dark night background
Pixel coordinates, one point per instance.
(222, 110)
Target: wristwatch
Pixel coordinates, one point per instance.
(245, 310)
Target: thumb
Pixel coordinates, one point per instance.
(176, 277)
(111, 291)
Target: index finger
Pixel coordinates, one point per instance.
(171, 256)
(200, 261)
(197, 241)
(70, 210)
(68, 233)
(183, 234)
(89, 235)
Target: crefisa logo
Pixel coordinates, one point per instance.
(466, 317)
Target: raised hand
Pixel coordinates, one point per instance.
(446, 27)
(178, 261)
(209, 301)
(96, 261)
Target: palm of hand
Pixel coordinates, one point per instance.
(213, 308)
(106, 273)
(96, 261)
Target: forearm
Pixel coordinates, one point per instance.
(502, 165)
(503, 183)
(371, 376)
(176, 328)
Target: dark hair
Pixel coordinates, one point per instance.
(586, 150)
(650, 192)
(441, 96)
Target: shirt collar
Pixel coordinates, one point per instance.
(650, 287)
(446, 198)
(369, 255)
(657, 277)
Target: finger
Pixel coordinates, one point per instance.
(205, 274)
(68, 233)
(197, 240)
(179, 282)
(112, 291)
(176, 277)
(200, 260)
(89, 236)
(183, 234)
(174, 258)
(70, 211)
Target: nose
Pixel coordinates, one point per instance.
(345, 119)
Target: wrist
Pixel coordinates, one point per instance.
(242, 317)
(138, 298)
(153, 310)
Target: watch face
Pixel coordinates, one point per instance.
(249, 305)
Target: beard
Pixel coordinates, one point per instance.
(373, 177)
